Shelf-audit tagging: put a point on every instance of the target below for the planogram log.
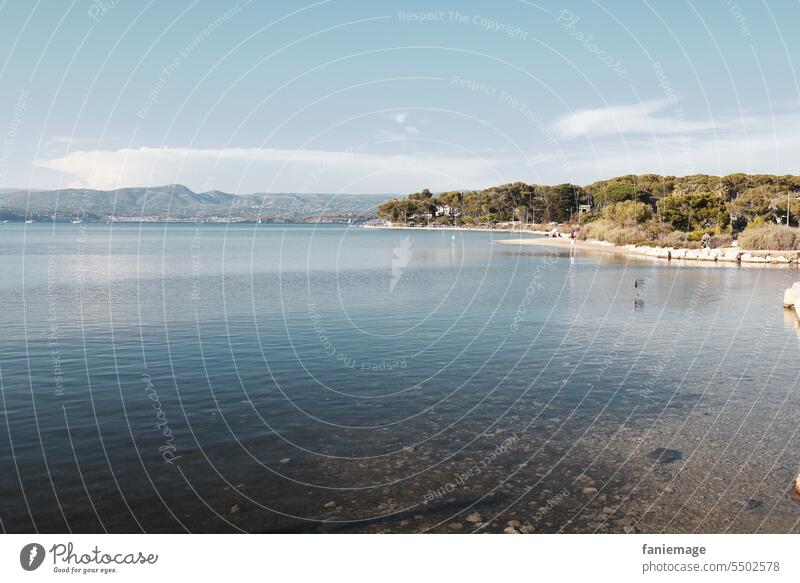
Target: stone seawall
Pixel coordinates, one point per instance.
(723, 254)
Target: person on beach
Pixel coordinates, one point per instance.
(705, 240)
(572, 237)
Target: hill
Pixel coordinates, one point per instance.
(178, 201)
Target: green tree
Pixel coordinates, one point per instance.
(618, 192)
(750, 204)
(687, 212)
(628, 213)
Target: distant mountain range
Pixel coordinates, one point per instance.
(176, 201)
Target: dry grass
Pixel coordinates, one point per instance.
(679, 240)
(603, 230)
(720, 241)
(647, 234)
(770, 237)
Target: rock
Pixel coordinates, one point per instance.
(750, 258)
(664, 455)
(608, 510)
(792, 295)
(408, 449)
(752, 504)
(514, 523)
(456, 526)
(510, 530)
(330, 504)
(589, 490)
(285, 460)
(234, 509)
(797, 485)
(474, 517)
(730, 254)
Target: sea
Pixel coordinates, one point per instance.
(182, 377)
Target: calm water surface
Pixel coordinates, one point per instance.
(205, 378)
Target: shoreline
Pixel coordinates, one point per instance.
(448, 228)
(733, 255)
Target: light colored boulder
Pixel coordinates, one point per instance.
(750, 258)
(707, 254)
(730, 254)
(792, 295)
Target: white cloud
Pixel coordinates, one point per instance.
(657, 136)
(276, 170)
(397, 134)
(399, 117)
(648, 117)
(756, 144)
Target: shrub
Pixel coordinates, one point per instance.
(697, 234)
(604, 230)
(590, 217)
(679, 239)
(738, 224)
(628, 213)
(723, 240)
(769, 237)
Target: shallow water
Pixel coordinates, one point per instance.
(170, 378)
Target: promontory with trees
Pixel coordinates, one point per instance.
(761, 211)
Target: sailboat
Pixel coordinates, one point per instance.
(77, 221)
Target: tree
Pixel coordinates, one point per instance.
(752, 203)
(390, 210)
(687, 212)
(628, 213)
(618, 192)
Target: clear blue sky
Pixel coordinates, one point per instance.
(345, 96)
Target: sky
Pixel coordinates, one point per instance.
(341, 96)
